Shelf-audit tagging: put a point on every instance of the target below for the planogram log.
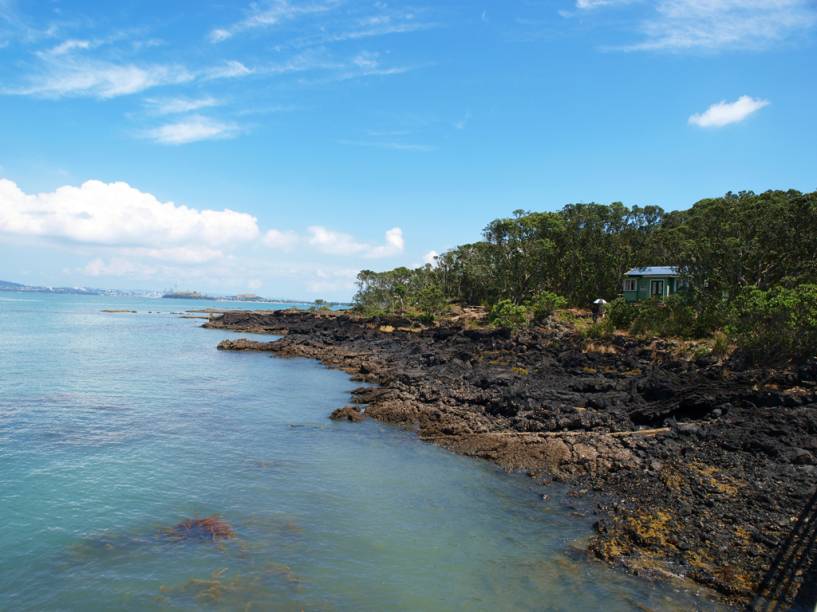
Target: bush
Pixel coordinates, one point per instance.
(545, 304)
(720, 344)
(508, 315)
(673, 316)
(775, 325)
(602, 329)
(431, 302)
(621, 313)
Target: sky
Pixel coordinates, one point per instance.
(278, 147)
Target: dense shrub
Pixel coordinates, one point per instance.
(672, 316)
(508, 315)
(775, 325)
(544, 304)
(600, 330)
(720, 344)
(431, 302)
(621, 313)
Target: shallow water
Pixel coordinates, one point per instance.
(114, 427)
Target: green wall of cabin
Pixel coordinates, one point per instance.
(643, 284)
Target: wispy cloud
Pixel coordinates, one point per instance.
(192, 129)
(678, 25)
(99, 79)
(382, 23)
(592, 4)
(462, 123)
(723, 113)
(67, 46)
(228, 70)
(174, 106)
(269, 15)
(394, 146)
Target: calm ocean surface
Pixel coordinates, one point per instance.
(114, 427)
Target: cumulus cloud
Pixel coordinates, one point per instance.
(337, 243)
(281, 240)
(330, 242)
(430, 257)
(118, 215)
(723, 113)
(192, 129)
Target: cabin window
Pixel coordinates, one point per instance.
(630, 284)
(657, 288)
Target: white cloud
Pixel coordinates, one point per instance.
(192, 129)
(173, 106)
(229, 70)
(382, 24)
(99, 79)
(591, 4)
(275, 13)
(281, 240)
(118, 215)
(337, 243)
(430, 257)
(716, 24)
(724, 113)
(120, 267)
(182, 255)
(461, 124)
(331, 242)
(332, 279)
(67, 46)
(391, 145)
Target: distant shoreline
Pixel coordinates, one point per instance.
(6, 286)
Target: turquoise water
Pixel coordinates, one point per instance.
(114, 427)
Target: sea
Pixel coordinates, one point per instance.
(117, 427)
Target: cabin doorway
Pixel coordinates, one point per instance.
(657, 288)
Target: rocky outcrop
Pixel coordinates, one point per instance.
(702, 470)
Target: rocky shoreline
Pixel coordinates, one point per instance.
(704, 472)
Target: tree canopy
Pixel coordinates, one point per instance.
(724, 247)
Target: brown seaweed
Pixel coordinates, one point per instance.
(208, 528)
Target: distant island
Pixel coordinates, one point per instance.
(187, 295)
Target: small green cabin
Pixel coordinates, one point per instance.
(651, 282)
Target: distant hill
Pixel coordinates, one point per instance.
(17, 287)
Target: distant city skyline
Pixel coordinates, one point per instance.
(278, 147)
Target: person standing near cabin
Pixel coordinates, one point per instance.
(595, 308)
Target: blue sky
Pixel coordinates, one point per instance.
(278, 147)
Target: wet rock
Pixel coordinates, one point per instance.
(348, 413)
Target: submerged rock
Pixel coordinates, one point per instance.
(349, 413)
